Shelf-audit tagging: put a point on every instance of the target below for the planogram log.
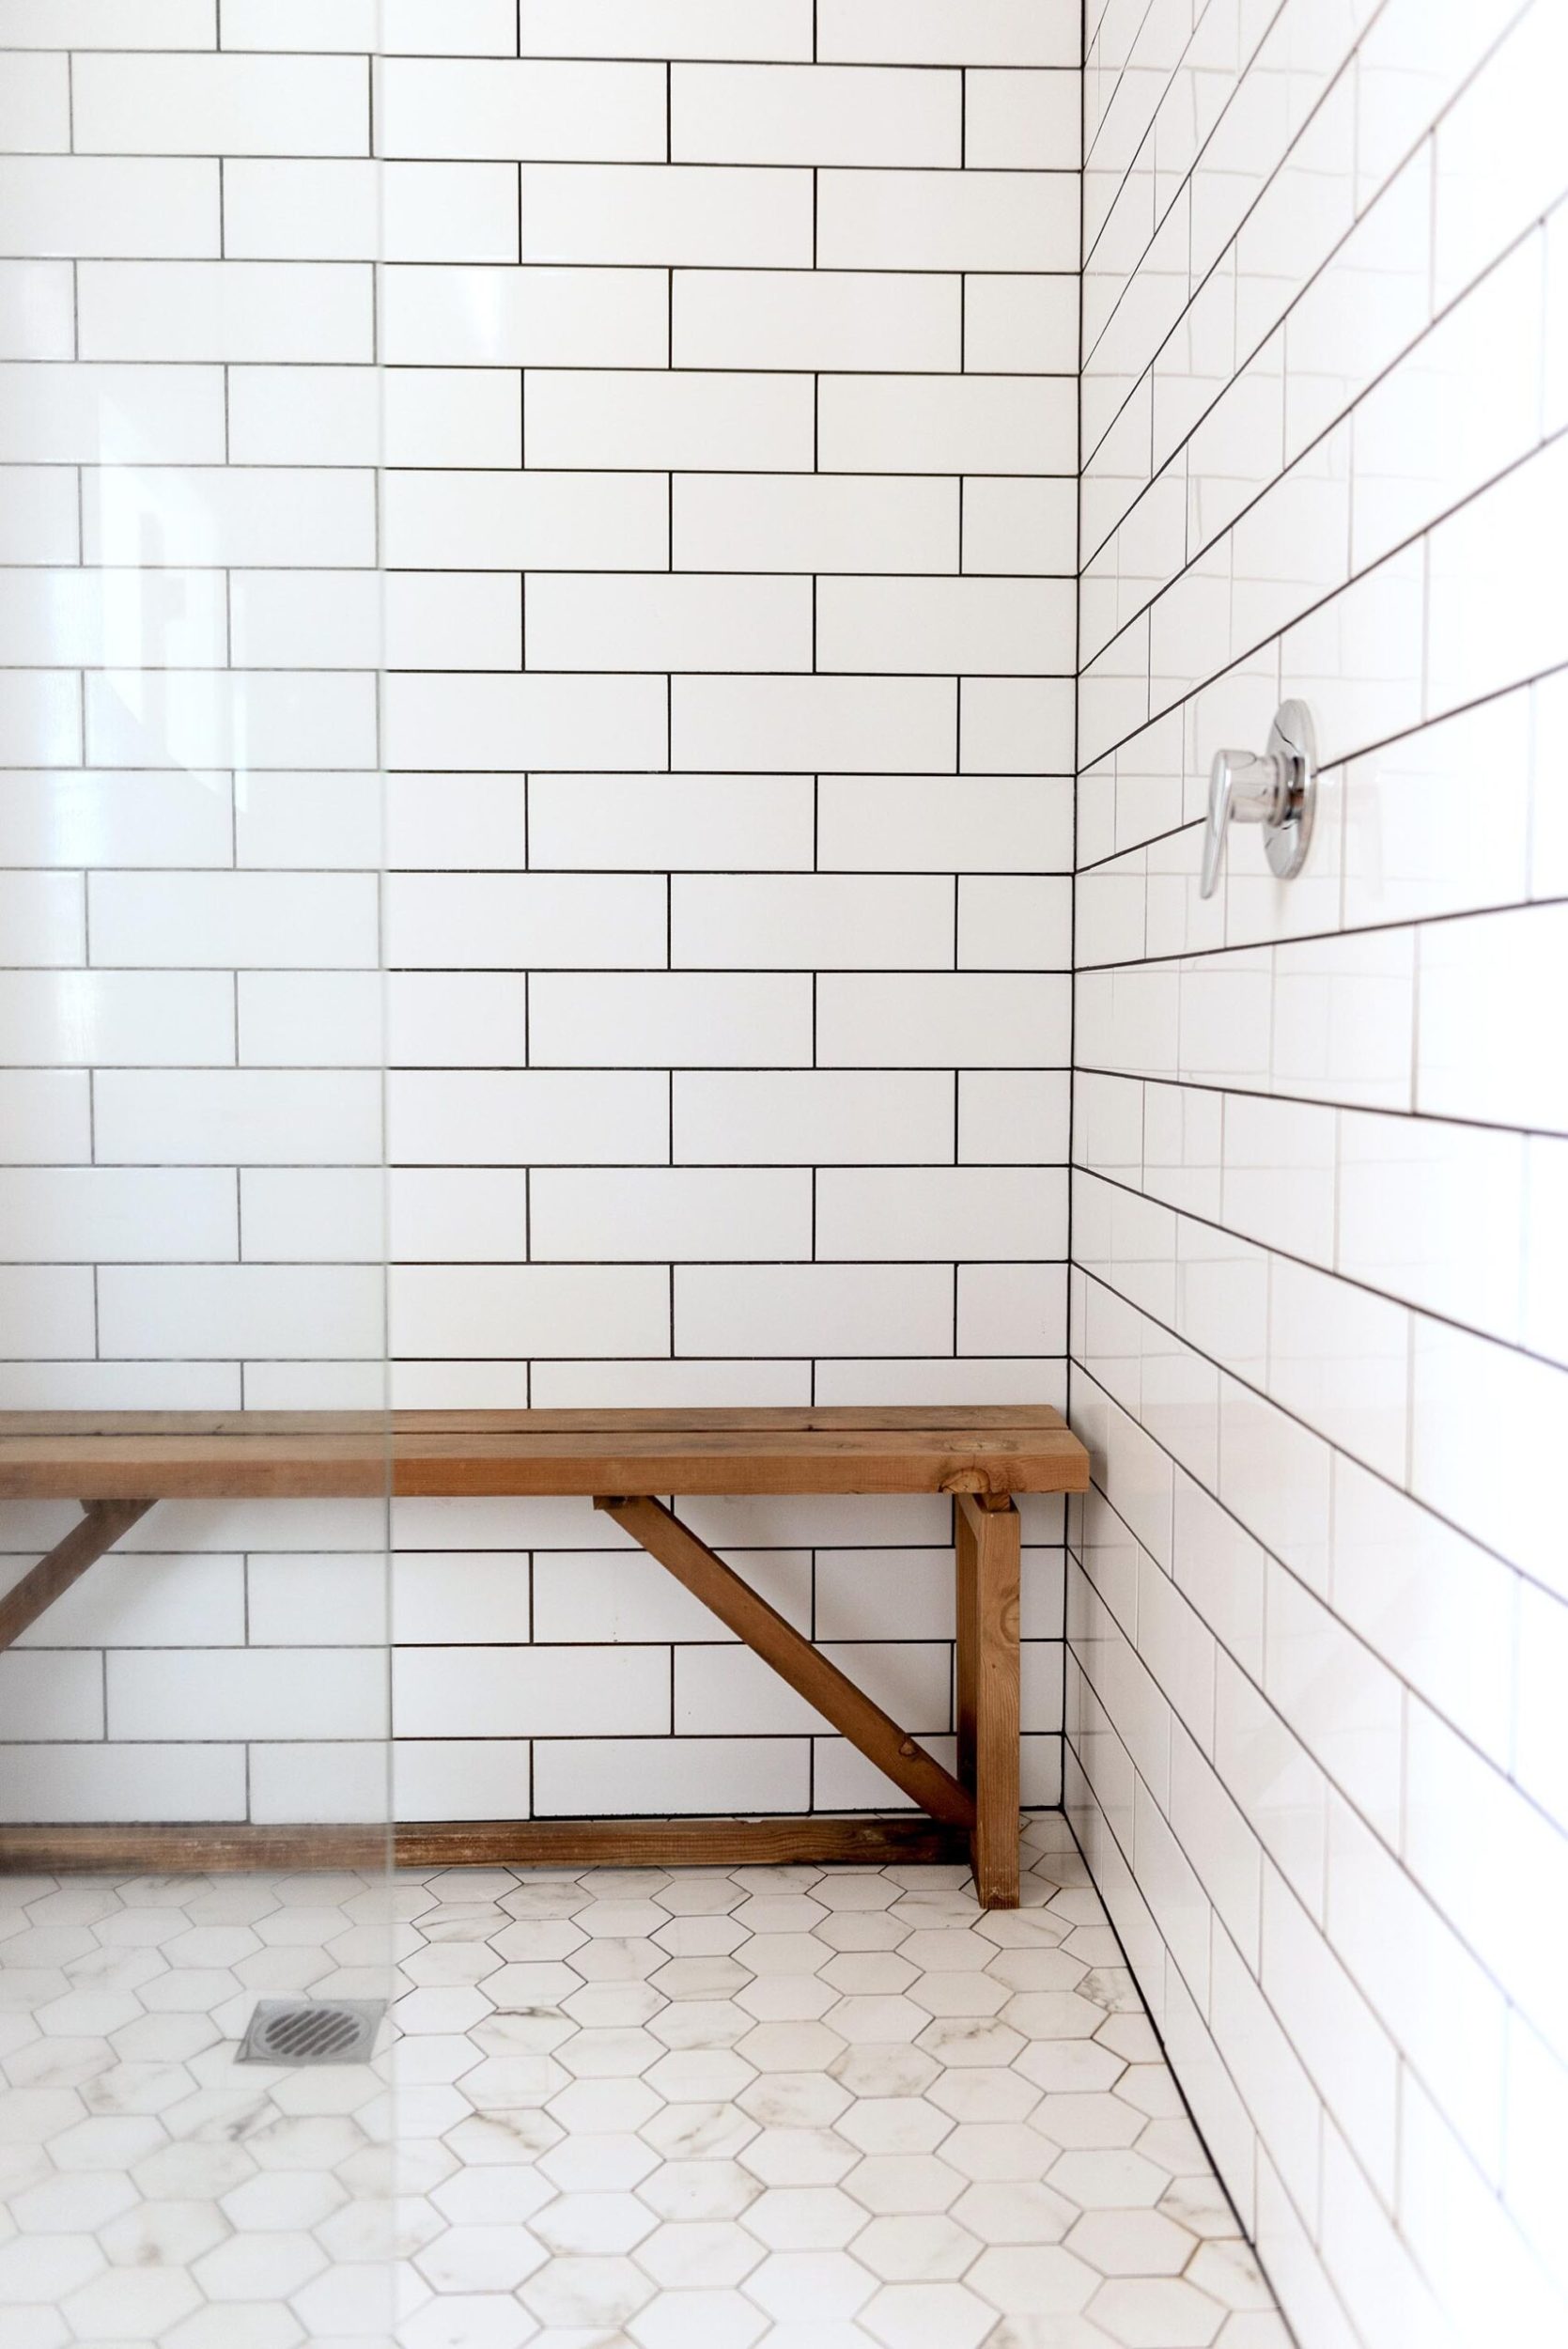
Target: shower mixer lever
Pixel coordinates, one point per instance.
(1277, 790)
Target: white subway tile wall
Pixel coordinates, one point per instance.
(1317, 1600)
(535, 579)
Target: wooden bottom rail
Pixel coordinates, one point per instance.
(571, 1843)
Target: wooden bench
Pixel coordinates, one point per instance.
(118, 1465)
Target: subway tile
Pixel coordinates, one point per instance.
(1474, 1059)
(782, 114)
(813, 922)
(46, 1311)
(1025, 527)
(1483, 1418)
(506, 1311)
(248, 1692)
(304, 820)
(676, 28)
(310, 1018)
(585, 621)
(35, 112)
(469, 27)
(671, 215)
(529, 111)
(453, 622)
(579, 1777)
(916, 1214)
(483, 921)
(296, 1782)
(1481, 642)
(1420, 839)
(540, 1692)
(279, 718)
(300, 920)
(969, 1018)
(115, 820)
(812, 1309)
(465, 520)
(307, 415)
(36, 310)
(1022, 325)
(315, 1214)
(456, 1018)
(802, 319)
(1027, 121)
(1340, 2040)
(1479, 212)
(940, 1381)
(915, 823)
(656, 1214)
(214, 515)
(216, 1312)
(354, 210)
(1345, 1705)
(84, 1783)
(1457, 410)
(39, 521)
(677, 822)
(1012, 922)
(474, 1778)
(1544, 1311)
(674, 1020)
(193, 104)
(508, 722)
(453, 416)
(811, 1117)
(42, 917)
(486, 317)
(227, 1118)
(818, 523)
(600, 1386)
(40, 719)
(1015, 725)
(103, 25)
(51, 1697)
(937, 424)
(731, 421)
(117, 1215)
(971, 220)
(978, 626)
(950, 32)
(519, 1117)
(60, 1018)
(1008, 1117)
(78, 205)
(1434, 1213)
(766, 724)
(1012, 1308)
(1344, 1020)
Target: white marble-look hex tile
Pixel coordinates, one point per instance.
(940, 2127)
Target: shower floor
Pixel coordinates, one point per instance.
(621, 2110)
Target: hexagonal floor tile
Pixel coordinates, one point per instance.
(1157, 2312)
(927, 2316)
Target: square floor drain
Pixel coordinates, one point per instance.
(311, 2031)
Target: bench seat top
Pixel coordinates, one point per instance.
(991, 1448)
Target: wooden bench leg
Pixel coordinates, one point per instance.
(98, 1530)
(989, 1557)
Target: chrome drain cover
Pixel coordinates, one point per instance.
(309, 2030)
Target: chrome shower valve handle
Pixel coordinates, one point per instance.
(1277, 789)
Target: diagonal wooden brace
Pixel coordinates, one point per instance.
(98, 1531)
(794, 1658)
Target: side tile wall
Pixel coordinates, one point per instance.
(1318, 1639)
(650, 794)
